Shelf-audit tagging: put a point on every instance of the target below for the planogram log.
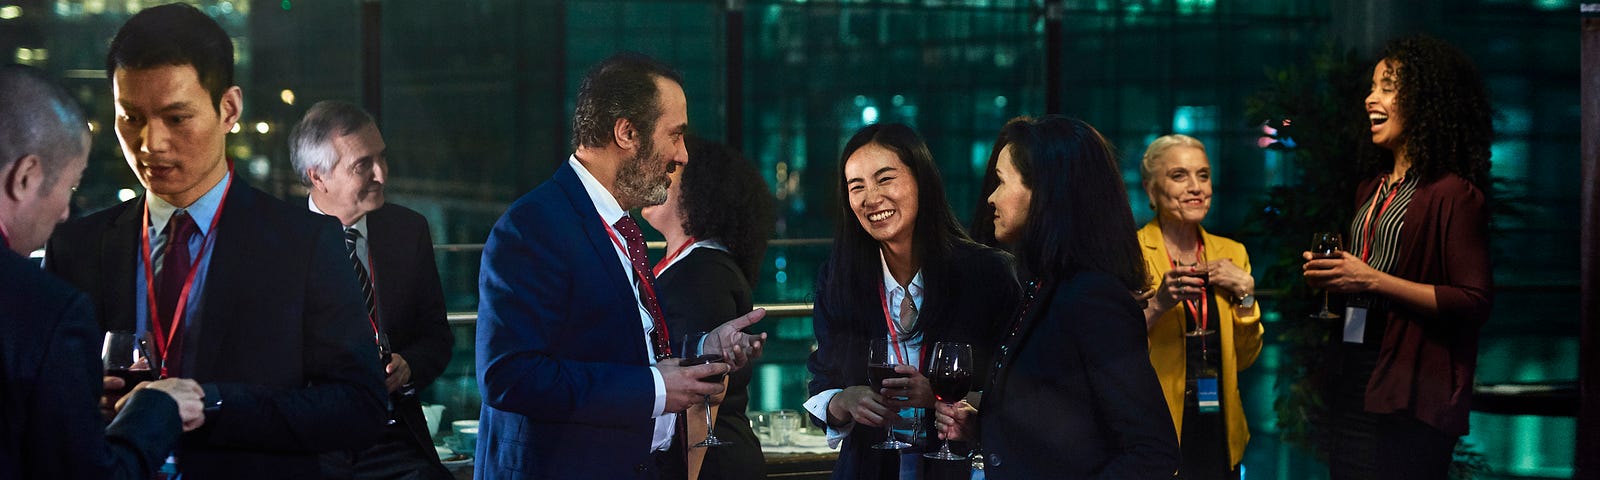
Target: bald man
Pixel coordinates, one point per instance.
(49, 424)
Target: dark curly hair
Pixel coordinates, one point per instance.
(1449, 123)
(723, 197)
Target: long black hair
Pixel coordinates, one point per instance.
(1449, 123)
(853, 268)
(1079, 218)
(723, 197)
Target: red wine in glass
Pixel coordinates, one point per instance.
(702, 360)
(952, 387)
(950, 376)
(881, 360)
(692, 345)
(1326, 245)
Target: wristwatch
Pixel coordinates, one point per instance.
(1246, 301)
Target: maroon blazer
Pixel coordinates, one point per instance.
(1426, 364)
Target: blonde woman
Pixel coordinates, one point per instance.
(1203, 322)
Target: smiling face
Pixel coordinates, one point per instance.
(644, 175)
(353, 187)
(1383, 106)
(171, 134)
(1180, 190)
(1011, 199)
(882, 193)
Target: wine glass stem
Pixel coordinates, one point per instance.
(1325, 301)
(708, 418)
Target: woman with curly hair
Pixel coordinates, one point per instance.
(717, 219)
(1416, 275)
(904, 273)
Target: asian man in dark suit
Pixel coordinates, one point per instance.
(50, 376)
(242, 292)
(341, 157)
(572, 348)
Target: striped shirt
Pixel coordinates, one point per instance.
(1377, 240)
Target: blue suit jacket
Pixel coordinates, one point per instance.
(562, 363)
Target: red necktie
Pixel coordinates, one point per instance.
(175, 265)
(637, 254)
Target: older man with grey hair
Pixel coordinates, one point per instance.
(51, 376)
(340, 156)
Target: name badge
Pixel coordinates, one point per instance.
(1206, 394)
(1355, 324)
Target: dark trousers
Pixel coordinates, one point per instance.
(394, 457)
(1205, 444)
(1379, 446)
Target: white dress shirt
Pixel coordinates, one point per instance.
(610, 212)
(817, 405)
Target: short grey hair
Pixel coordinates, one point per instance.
(310, 143)
(1159, 147)
(38, 117)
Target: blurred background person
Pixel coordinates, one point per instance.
(901, 270)
(717, 219)
(52, 377)
(342, 159)
(1072, 393)
(1416, 270)
(1203, 322)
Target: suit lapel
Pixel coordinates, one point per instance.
(227, 274)
(119, 256)
(1012, 343)
(594, 229)
(383, 245)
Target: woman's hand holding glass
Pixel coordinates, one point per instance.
(1345, 273)
(1230, 278)
(910, 391)
(956, 421)
(1181, 284)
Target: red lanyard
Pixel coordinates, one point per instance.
(5, 240)
(1366, 244)
(894, 335)
(188, 284)
(654, 306)
(1203, 311)
(662, 265)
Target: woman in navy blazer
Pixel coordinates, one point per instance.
(893, 217)
(1071, 391)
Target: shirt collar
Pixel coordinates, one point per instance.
(361, 223)
(605, 204)
(891, 286)
(202, 210)
(711, 244)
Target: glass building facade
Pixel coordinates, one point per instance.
(475, 99)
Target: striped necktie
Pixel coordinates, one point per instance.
(350, 237)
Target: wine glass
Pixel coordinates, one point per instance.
(694, 355)
(950, 375)
(122, 359)
(881, 360)
(1202, 272)
(1326, 245)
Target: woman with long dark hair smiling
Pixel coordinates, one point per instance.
(1416, 275)
(903, 271)
(1072, 393)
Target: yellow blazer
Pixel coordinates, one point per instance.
(1241, 337)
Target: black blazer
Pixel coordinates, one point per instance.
(410, 306)
(282, 338)
(698, 293)
(975, 290)
(50, 426)
(1077, 397)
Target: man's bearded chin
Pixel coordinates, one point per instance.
(644, 189)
